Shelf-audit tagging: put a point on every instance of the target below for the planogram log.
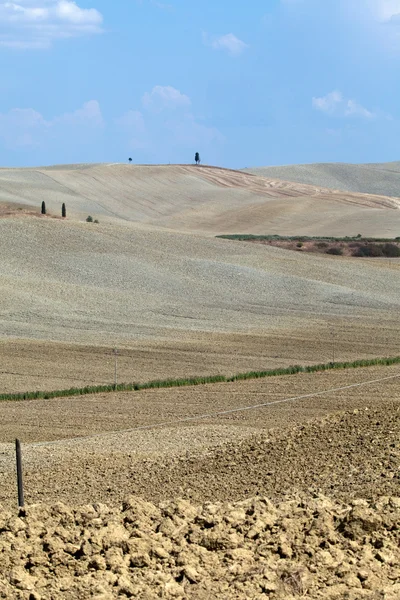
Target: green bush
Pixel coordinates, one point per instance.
(299, 244)
(335, 251)
(369, 250)
(391, 250)
(89, 219)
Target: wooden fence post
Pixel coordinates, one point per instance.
(20, 481)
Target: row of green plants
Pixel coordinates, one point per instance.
(304, 238)
(193, 381)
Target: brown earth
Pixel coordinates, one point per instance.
(320, 247)
(313, 457)
(315, 540)
(43, 365)
(138, 443)
(300, 548)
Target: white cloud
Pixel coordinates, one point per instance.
(24, 127)
(164, 97)
(328, 103)
(229, 42)
(388, 10)
(166, 125)
(37, 23)
(20, 127)
(89, 114)
(336, 105)
(355, 109)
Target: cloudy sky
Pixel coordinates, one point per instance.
(265, 82)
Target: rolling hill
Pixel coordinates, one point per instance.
(206, 200)
(151, 276)
(371, 178)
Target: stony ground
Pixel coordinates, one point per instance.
(300, 548)
(276, 515)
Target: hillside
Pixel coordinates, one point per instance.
(79, 281)
(206, 200)
(370, 178)
(183, 304)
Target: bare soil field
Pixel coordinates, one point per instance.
(128, 430)
(304, 548)
(45, 365)
(268, 500)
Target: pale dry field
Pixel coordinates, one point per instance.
(369, 178)
(152, 280)
(205, 200)
(177, 305)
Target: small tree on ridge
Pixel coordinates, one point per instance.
(63, 211)
(197, 158)
(43, 208)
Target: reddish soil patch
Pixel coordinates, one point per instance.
(21, 210)
(340, 248)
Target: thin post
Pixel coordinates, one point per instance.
(333, 346)
(20, 482)
(115, 368)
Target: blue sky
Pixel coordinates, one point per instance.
(266, 82)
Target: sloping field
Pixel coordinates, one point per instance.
(201, 199)
(181, 304)
(371, 178)
(78, 282)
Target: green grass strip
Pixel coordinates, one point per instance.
(184, 382)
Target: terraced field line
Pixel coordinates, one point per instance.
(215, 414)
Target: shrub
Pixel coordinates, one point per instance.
(369, 250)
(390, 250)
(63, 211)
(43, 207)
(89, 219)
(322, 245)
(96, 221)
(299, 244)
(335, 251)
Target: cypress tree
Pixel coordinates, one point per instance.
(43, 208)
(63, 211)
